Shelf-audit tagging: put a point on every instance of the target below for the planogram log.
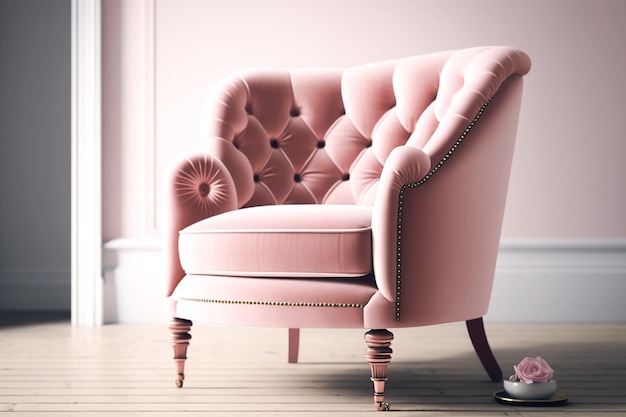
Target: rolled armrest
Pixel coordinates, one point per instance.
(405, 165)
(197, 186)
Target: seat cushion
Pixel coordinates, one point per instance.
(303, 240)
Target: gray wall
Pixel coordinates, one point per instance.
(35, 154)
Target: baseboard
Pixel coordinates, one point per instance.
(134, 285)
(35, 289)
(536, 281)
(560, 281)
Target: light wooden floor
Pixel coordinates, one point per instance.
(124, 370)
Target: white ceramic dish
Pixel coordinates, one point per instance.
(534, 391)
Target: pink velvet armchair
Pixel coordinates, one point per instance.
(370, 197)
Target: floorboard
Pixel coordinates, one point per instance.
(51, 368)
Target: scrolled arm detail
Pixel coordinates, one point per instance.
(203, 186)
(405, 165)
(197, 186)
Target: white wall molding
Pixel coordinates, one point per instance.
(536, 280)
(86, 264)
(148, 118)
(134, 285)
(560, 281)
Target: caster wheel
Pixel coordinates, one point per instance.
(384, 406)
(179, 383)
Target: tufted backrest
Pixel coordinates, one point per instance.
(323, 135)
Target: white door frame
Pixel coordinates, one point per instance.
(86, 179)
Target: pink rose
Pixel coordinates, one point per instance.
(531, 370)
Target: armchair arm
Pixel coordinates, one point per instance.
(197, 186)
(404, 165)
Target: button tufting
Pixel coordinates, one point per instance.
(274, 143)
(345, 177)
(256, 178)
(321, 144)
(294, 112)
(204, 189)
(297, 177)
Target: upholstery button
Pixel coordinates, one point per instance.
(256, 178)
(368, 144)
(297, 177)
(345, 177)
(274, 143)
(321, 144)
(294, 112)
(204, 189)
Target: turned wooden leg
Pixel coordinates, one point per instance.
(476, 330)
(294, 345)
(179, 338)
(378, 354)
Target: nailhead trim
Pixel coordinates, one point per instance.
(417, 184)
(270, 303)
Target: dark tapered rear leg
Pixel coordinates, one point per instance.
(179, 338)
(476, 330)
(294, 345)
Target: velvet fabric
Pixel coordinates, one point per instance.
(294, 240)
(393, 174)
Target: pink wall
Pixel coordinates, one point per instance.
(568, 180)
(128, 119)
